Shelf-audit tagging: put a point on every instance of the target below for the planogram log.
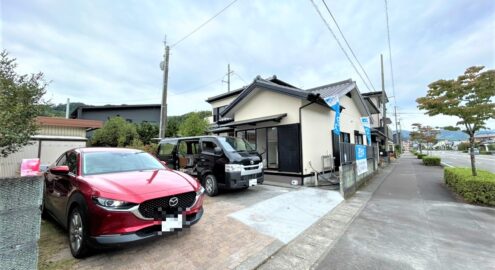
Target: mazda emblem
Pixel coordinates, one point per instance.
(173, 201)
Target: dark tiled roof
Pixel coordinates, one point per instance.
(375, 93)
(272, 79)
(339, 88)
(269, 85)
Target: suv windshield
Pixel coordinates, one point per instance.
(233, 144)
(114, 162)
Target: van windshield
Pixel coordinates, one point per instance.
(232, 144)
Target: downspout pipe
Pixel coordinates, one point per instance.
(312, 98)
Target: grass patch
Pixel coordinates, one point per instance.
(53, 240)
(474, 189)
(431, 161)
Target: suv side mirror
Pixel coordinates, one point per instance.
(164, 163)
(217, 151)
(60, 170)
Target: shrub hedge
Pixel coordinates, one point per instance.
(420, 156)
(474, 189)
(431, 161)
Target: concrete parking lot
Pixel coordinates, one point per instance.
(237, 230)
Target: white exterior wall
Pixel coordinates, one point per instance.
(316, 128)
(11, 165)
(350, 119)
(62, 131)
(266, 103)
(377, 116)
(222, 102)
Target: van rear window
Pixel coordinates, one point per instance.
(166, 148)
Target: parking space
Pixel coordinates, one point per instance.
(229, 233)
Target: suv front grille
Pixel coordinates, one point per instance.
(151, 208)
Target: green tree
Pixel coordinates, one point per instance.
(423, 135)
(173, 125)
(20, 103)
(194, 125)
(469, 97)
(116, 132)
(451, 128)
(146, 132)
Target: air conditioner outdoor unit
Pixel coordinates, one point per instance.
(327, 162)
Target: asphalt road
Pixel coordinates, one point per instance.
(459, 159)
(414, 222)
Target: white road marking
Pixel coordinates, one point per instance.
(448, 165)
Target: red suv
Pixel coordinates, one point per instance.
(111, 196)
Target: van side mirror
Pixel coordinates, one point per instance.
(217, 151)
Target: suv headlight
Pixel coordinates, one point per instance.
(233, 167)
(112, 204)
(200, 191)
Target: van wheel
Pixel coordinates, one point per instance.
(210, 185)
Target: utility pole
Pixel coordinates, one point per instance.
(397, 131)
(228, 77)
(67, 108)
(163, 112)
(384, 108)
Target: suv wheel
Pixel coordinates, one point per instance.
(210, 185)
(78, 233)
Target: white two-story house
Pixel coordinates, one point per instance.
(290, 127)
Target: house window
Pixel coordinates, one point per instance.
(249, 135)
(217, 111)
(345, 137)
(358, 138)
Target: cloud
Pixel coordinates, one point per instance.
(108, 52)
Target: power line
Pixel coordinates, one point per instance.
(235, 73)
(390, 53)
(340, 45)
(198, 87)
(349, 46)
(203, 24)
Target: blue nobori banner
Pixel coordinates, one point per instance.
(367, 128)
(361, 162)
(333, 102)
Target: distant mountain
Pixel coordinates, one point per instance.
(447, 135)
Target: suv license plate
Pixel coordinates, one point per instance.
(172, 223)
(253, 182)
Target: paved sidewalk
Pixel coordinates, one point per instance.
(414, 222)
(304, 251)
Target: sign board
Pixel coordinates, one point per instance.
(361, 162)
(30, 167)
(333, 102)
(365, 121)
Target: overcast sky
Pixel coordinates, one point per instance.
(108, 52)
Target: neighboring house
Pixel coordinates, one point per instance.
(55, 136)
(132, 113)
(375, 101)
(290, 127)
(485, 136)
